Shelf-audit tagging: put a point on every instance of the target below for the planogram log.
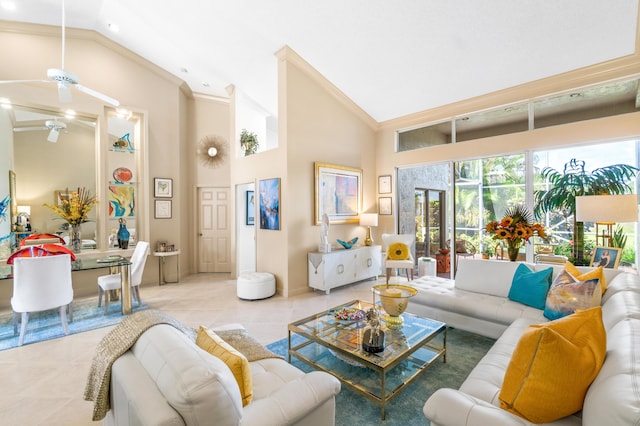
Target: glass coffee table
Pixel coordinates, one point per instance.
(335, 346)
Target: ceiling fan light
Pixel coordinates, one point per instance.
(53, 135)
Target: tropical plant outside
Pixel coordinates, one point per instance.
(574, 181)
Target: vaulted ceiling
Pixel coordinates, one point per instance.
(392, 58)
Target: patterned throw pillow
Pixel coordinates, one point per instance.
(567, 294)
(398, 251)
(580, 276)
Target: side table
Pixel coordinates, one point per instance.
(163, 255)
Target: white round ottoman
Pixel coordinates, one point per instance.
(256, 285)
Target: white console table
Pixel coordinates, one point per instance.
(340, 267)
(163, 255)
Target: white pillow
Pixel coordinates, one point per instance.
(491, 277)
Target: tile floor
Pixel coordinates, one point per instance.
(43, 383)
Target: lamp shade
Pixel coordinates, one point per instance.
(24, 209)
(607, 208)
(369, 219)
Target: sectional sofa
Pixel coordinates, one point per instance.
(477, 301)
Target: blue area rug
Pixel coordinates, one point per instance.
(464, 350)
(46, 325)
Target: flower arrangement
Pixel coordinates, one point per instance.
(75, 206)
(515, 228)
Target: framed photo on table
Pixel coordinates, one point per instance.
(607, 257)
(163, 187)
(163, 209)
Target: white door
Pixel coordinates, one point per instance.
(214, 242)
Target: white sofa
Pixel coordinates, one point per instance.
(476, 300)
(165, 379)
(612, 399)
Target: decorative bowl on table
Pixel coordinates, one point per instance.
(394, 299)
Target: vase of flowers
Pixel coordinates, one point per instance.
(515, 228)
(74, 208)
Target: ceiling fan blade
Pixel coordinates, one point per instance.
(98, 95)
(24, 81)
(53, 135)
(29, 128)
(64, 92)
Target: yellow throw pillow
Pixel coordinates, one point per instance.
(398, 251)
(580, 276)
(553, 366)
(237, 363)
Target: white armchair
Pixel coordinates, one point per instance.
(40, 284)
(399, 259)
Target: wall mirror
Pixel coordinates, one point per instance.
(49, 151)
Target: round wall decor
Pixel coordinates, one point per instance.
(212, 150)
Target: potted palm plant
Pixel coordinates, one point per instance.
(575, 181)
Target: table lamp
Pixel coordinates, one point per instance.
(368, 220)
(605, 211)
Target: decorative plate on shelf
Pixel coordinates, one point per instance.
(349, 314)
(122, 175)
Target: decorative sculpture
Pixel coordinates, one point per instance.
(324, 246)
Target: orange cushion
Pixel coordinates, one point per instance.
(237, 363)
(553, 366)
(581, 276)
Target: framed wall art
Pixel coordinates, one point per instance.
(384, 184)
(338, 193)
(121, 199)
(384, 206)
(269, 190)
(163, 187)
(163, 209)
(607, 257)
(251, 208)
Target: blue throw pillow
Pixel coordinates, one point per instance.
(530, 288)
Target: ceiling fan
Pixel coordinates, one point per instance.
(66, 79)
(54, 126)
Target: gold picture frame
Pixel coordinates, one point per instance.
(338, 193)
(607, 257)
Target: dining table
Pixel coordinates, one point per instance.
(114, 262)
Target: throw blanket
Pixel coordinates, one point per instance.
(117, 342)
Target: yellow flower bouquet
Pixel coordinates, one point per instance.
(515, 228)
(75, 206)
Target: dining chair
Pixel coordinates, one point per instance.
(401, 259)
(40, 284)
(106, 283)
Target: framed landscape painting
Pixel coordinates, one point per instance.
(338, 193)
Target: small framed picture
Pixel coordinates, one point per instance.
(384, 205)
(163, 209)
(163, 187)
(250, 208)
(607, 257)
(384, 184)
